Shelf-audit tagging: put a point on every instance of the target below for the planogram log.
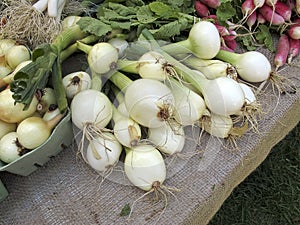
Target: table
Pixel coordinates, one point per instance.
(67, 191)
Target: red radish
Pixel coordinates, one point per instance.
(232, 44)
(201, 9)
(294, 49)
(260, 18)
(271, 2)
(271, 16)
(251, 20)
(282, 51)
(294, 31)
(211, 3)
(213, 18)
(291, 4)
(247, 8)
(225, 48)
(258, 3)
(283, 10)
(222, 30)
(232, 35)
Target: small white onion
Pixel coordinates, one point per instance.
(218, 126)
(103, 152)
(6, 128)
(102, 57)
(9, 149)
(14, 113)
(16, 55)
(168, 139)
(149, 102)
(91, 107)
(144, 166)
(76, 82)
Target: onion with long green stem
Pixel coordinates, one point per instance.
(203, 41)
(222, 95)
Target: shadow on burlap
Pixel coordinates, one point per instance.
(67, 191)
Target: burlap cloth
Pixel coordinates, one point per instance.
(67, 191)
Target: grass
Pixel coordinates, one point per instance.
(271, 194)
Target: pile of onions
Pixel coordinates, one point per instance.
(151, 100)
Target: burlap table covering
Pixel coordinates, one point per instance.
(67, 191)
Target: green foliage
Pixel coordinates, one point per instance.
(165, 19)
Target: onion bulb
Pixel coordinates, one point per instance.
(216, 125)
(76, 82)
(34, 131)
(10, 150)
(251, 66)
(16, 55)
(169, 139)
(145, 167)
(91, 107)
(189, 106)
(203, 41)
(103, 152)
(6, 128)
(12, 112)
(149, 102)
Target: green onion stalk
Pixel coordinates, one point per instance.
(46, 66)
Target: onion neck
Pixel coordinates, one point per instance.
(230, 57)
(53, 122)
(120, 80)
(181, 47)
(129, 66)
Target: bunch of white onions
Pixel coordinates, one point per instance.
(146, 120)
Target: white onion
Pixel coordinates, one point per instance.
(6, 128)
(189, 106)
(9, 149)
(17, 54)
(76, 82)
(14, 113)
(103, 152)
(34, 131)
(144, 166)
(91, 107)
(216, 125)
(167, 139)
(149, 102)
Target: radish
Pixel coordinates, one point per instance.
(294, 49)
(271, 2)
(283, 10)
(282, 51)
(201, 9)
(294, 31)
(271, 16)
(211, 3)
(251, 20)
(232, 44)
(247, 8)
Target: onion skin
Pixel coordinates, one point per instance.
(9, 151)
(103, 152)
(34, 131)
(14, 113)
(144, 166)
(6, 128)
(16, 55)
